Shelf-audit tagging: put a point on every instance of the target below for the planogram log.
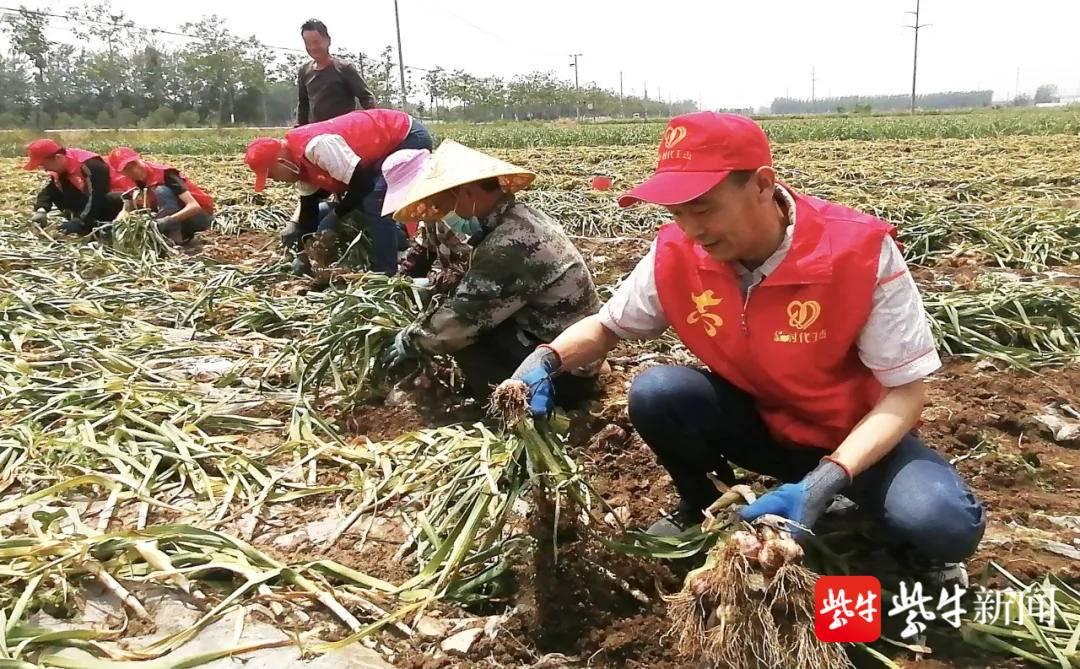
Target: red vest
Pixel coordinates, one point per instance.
(373, 134)
(792, 345)
(72, 173)
(156, 176)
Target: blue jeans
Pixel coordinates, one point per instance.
(386, 233)
(168, 203)
(696, 422)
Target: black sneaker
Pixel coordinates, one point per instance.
(74, 227)
(301, 266)
(676, 522)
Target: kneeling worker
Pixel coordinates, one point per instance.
(525, 283)
(814, 337)
(81, 185)
(181, 207)
(343, 157)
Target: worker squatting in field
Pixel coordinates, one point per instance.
(179, 205)
(814, 341)
(525, 281)
(81, 186)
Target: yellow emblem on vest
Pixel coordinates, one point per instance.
(802, 315)
(702, 303)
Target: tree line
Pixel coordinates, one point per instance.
(112, 73)
(883, 103)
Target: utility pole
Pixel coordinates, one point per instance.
(400, 59)
(577, 94)
(813, 88)
(915, 63)
(622, 98)
(1016, 95)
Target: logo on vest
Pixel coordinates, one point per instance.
(801, 315)
(702, 303)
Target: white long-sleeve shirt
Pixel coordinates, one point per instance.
(896, 343)
(333, 154)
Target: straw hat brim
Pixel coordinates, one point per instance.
(451, 165)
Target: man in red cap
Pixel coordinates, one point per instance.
(81, 185)
(181, 207)
(814, 339)
(341, 157)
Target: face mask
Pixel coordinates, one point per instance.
(466, 227)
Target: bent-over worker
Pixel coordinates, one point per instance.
(180, 206)
(526, 282)
(81, 185)
(342, 157)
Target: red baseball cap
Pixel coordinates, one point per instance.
(261, 155)
(697, 152)
(39, 151)
(121, 157)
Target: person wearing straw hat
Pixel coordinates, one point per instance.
(81, 185)
(438, 253)
(814, 340)
(526, 282)
(341, 157)
(181, 207)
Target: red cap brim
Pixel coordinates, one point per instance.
(260, 181)
(32, 165)
(672, 188)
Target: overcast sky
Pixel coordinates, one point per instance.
(740, 53)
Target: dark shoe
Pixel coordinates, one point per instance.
(74, 227)
(676, 522)
(103, 233)
(301, 266)
(173, 230)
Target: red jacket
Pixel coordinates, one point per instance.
(72, 173)
(156, 177)
(373, 134)
(792, 345)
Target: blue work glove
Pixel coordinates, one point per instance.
(400, 351)
(802, 502)
(535, 372)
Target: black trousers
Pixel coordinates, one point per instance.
(71, 202)
(496, 356)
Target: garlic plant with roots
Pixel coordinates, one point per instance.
(752, 605)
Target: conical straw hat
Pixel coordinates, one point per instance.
(451, 165)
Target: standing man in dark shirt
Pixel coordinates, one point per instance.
(81, 185)
(329, 86)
